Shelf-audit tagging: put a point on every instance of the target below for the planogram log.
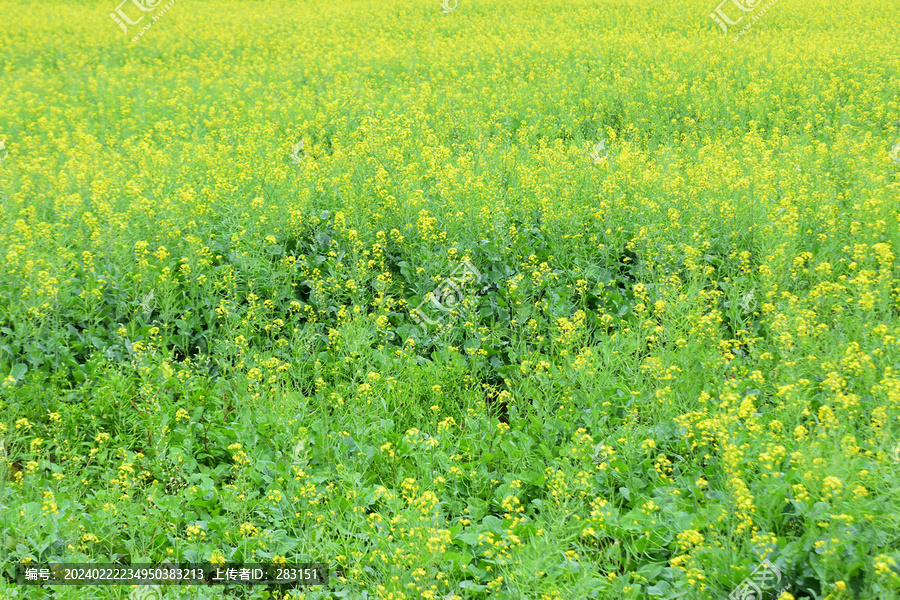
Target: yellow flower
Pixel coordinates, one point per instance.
(248, 530)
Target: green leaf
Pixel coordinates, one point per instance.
(650, 571)
(18, 371)
(469, 539)
(493, 523)
(660, 589)
(471, 585)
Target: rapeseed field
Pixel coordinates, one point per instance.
(463, 299)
